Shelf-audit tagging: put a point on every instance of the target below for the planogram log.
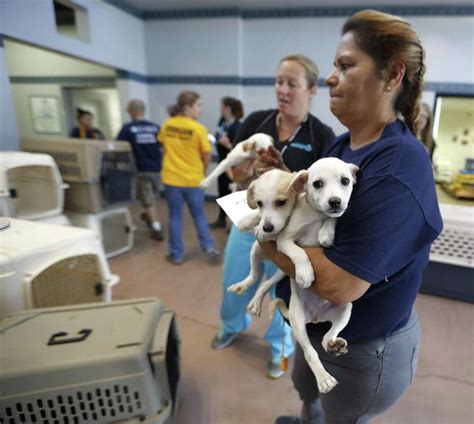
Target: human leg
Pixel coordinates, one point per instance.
(372, 377)
(195, 200)
(147, 188)
(233, 312)
(278, 334)
(174, 198)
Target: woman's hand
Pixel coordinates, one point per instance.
(332, 282)
(243, 171)
(269, 159)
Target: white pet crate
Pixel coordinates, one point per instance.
(450, 272)
(44, 265)
(57, 219)
(100, 173)
(96, 363)
(30, 186)
(114, 226)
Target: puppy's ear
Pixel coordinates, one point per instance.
(251, 196)
(354, 170)
(249, 145)
(298, 183)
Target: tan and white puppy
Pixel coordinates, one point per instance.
(325, 191)
(244, 150)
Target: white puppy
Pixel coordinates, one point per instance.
(325, 191)
(246, 149)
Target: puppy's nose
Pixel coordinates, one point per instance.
(334, 202)
(268, 228)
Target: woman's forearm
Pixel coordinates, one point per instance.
(331, 282)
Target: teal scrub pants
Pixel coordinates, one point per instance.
(234, 316)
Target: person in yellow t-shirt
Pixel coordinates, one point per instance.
(187, 152)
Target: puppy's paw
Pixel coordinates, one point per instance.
(325, 238)
(238, 288)
(255, 307)
(336, 347)
(304, 276)
(245, 226)
(326, 383)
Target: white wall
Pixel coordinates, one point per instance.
(253, 48)
(116, 38)
(193, 46)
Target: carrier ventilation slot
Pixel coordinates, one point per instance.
(97, 406)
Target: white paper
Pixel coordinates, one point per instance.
(235, 205)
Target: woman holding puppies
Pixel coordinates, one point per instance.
(300, 137)
(383, 240)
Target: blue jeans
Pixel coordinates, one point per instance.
(194, 197)
(234, 316)
(372, 377)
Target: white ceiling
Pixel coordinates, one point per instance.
(155, 5)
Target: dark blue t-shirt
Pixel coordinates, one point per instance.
(141, 134)
(385, 235)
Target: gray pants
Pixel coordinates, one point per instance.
(372, 377)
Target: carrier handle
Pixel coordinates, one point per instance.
(53, 340)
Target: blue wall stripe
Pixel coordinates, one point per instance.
(295, 12)
(231, 12)
(440, 87)
(304, 12)
(121, 74)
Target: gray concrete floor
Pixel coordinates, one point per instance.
(230, 386)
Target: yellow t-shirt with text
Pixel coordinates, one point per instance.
(184, 141)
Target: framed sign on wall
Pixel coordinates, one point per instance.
(45, 114)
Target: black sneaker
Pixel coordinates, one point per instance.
(288, 420)
(157, 235)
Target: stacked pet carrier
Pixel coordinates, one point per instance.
(115, 362)
(450, 272)
(43, 265)
(101, 179)
(31, 187)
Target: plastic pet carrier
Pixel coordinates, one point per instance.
(100, 173)
(104, 363)
(114, 226)
(450, 272)
(43, 265)
(30, 186)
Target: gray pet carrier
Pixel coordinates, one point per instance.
(100, 173)
(95, 363)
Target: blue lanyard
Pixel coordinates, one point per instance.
(293, 136)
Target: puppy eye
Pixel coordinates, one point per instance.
(318, 184)
(345, 181)
(259, 204)
(281, 202)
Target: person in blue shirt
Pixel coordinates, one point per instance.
(382, 242)
(142, 135)
(300, 137)
(227, 128)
